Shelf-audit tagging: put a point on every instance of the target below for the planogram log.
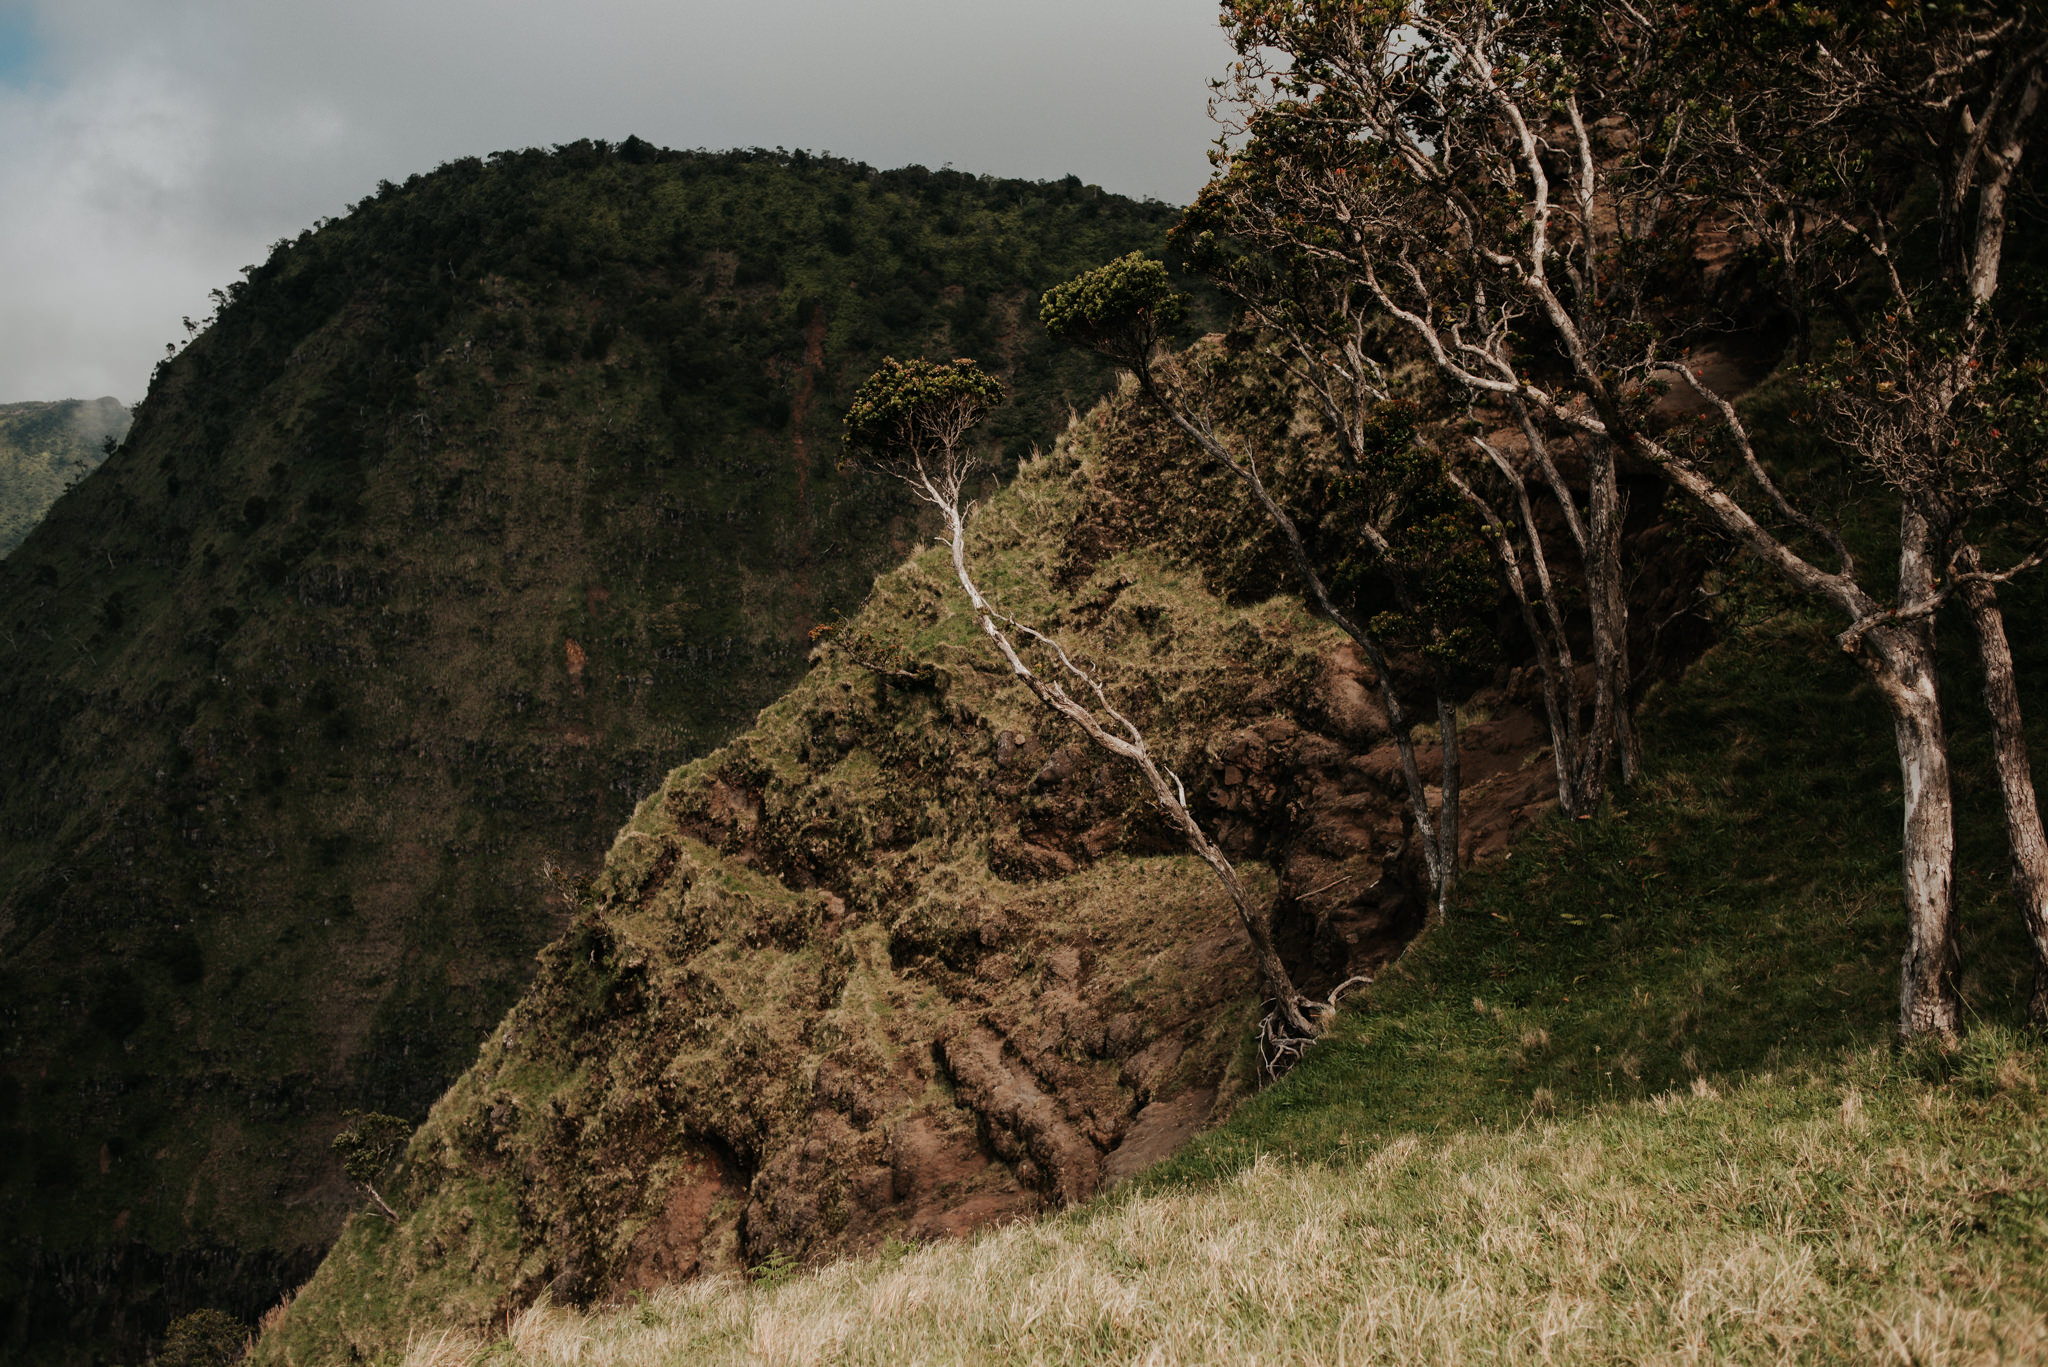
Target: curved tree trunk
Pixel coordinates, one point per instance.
(1290, 1007)
(2015, 774)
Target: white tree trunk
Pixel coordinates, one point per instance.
(2015, 776)
(1901, 659)
(1613, 733)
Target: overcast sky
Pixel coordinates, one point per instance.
(151, 148)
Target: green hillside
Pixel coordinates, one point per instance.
(1635, 1101)
(44, 449)
(469, 516)
(907, 958)
(884, 957)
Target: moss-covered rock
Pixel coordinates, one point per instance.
(905, 958)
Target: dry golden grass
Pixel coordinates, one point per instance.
(1845, 1215)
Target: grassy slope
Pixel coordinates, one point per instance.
(1635, 1101)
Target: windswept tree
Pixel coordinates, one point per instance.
(1526, 189)
(909, 421)
(1872, 157)
(369, 1143)
(1408, 155)
(1382, 501)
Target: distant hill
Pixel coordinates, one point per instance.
(43, 448)
(470, 516)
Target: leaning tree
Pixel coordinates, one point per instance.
(909, 421)
(1387, 521)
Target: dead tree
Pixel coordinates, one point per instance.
(908, 421)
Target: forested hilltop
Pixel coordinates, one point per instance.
(469, 516)
(45, 448)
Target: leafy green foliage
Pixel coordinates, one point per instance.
(909, 411)
(1434, 569)
(1122, 310)
(204, 1338)
(370, 1144)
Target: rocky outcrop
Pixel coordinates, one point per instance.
(470, 515)
(906, 959)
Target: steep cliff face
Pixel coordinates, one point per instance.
(908, 957)
(471, 515)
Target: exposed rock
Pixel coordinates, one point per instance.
(955, 971)
(695, 1230)
(1157, 1131)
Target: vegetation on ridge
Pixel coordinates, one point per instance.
(469, 516)
(904, 958)
(1637, 1105)
(44, 449)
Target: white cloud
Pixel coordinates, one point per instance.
(161, 146)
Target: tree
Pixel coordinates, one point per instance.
(909, 421)
(368, 1145)
(1386, 148)
(1874, 158)
(1526, 187)
(1124, 311)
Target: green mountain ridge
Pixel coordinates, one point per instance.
(44, 449)
(470, 515)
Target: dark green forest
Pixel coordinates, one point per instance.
(467, 517)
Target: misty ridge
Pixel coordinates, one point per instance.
(46, 448)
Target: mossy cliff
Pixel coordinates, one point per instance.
(905, 958)
(471, 515)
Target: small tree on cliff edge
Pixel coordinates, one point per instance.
(204, 1338)
(908, 421)
(1397, 518)
(369, 1144)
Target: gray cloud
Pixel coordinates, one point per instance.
(155, 147)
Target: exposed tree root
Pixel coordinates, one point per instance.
(1280, 1047)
